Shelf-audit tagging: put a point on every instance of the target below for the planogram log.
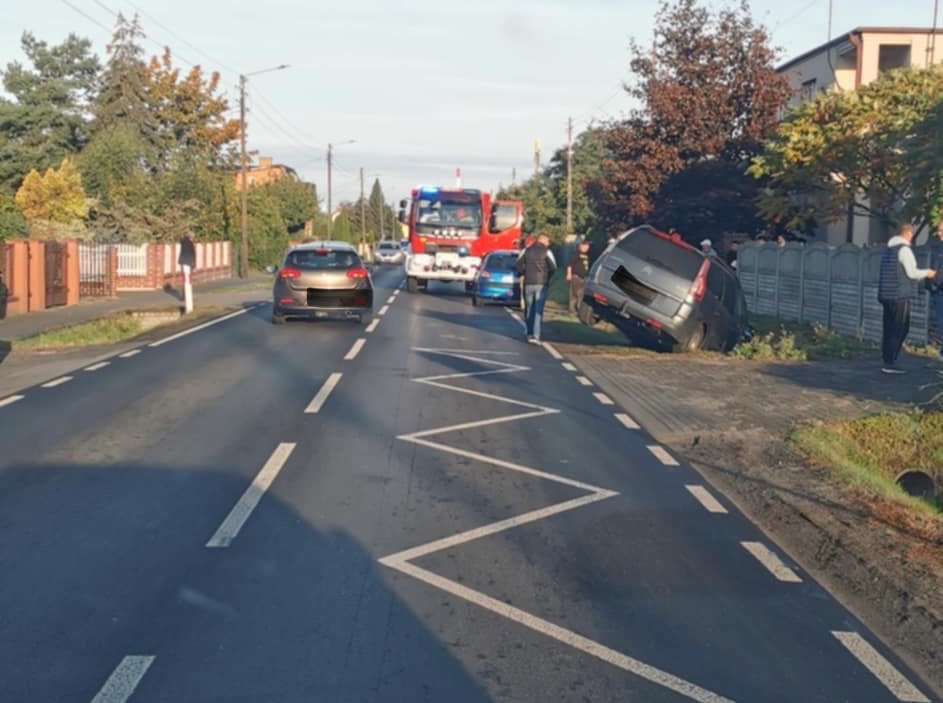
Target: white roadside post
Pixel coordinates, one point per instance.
(187, 291)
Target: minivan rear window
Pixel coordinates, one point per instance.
(322, 259)
(663, 253)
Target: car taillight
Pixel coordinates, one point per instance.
(653, 323)
(699, 287)
(289, 273)
(485, 274)
(286, 300)
(357, 272)
(600, 298)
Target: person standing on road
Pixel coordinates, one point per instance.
(707, 246)
(897, 287)
(187, 261)
(935, 286)
(537, 265)
(576, 270)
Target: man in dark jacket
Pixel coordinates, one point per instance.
(576, 270)
(536, 265)
(897, 287)
(187, 261)
(935, 286)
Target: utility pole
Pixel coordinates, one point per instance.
(569, 176)
(936, 7)
(514, 176)
(330, 216)
(244, 178)
(536, 156)
(382, 218)
(363, 217)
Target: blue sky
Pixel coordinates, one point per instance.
(422, 86)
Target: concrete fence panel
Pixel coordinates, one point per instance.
(845, 292)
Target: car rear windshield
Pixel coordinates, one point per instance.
(322, 259)
(501, 262)
(663, 253)
(388, 245)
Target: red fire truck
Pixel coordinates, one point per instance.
(451, 230)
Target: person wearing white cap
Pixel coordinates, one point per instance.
(708, 248)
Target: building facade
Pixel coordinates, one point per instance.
(848, 62)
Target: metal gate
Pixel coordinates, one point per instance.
(55, 274)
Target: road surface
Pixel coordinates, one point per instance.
(425, 508)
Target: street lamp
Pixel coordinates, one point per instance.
(244, 242)
(330, 218)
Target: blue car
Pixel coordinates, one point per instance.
(497, 280)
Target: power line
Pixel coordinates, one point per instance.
(87, 16)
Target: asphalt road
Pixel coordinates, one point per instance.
(440, 512)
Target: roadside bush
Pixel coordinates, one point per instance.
(769, 346)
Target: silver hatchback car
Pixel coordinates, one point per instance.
(322, 279)
(389, 252)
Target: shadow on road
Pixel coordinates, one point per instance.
(111, 561)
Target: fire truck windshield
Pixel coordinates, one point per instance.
(444, 214)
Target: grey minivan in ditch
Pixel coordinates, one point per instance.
(659, 291)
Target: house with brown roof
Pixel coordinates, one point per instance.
(265, 172)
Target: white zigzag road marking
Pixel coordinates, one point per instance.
(401, 561)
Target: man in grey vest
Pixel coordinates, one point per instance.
(897, 287)
(536, 264)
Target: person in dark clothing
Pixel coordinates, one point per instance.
(187, 261)
(576, 270)
(897, 287)
(935, 286)
(536, 265)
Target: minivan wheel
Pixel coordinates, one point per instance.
(278, 319)
(586, 315)
(694, 341)
(412, 284)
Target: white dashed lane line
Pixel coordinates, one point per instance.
(96, 367)
(10, 399)
(389, 301)
(583, 381)
(355, 349)
(882, 669)
(373, 324)
(57, 382)
(603, 398)
(129, 354)
(627, 421)
(662, 455)
(772, 562)
(704, 497)
(321, 396)
(124, 680)
(568, 366)
(243, 509)
(383, 310)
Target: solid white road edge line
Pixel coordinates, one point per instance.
(882, 669)
(57, 382)
(561, 634)
(322, 394)
(99, 365)
(243, 508)
(383, 310)
(124, 679)
(129, 354)
(553, 352)
(662, 455)
(373, 325)
(583, 381)
(627, 421)
(568, 366)
(603, 398)
(355, 349)
(772, 562)
(10, 399)
(704, 497)
(201, 327)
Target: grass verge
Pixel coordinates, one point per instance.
(868, 453)
(796, 341)
(117, 327)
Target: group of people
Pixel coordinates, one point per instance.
(536, 265)
(898, 283)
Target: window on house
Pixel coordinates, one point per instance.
(891, 56)
(807, 91)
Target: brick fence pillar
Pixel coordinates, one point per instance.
(36, 297)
